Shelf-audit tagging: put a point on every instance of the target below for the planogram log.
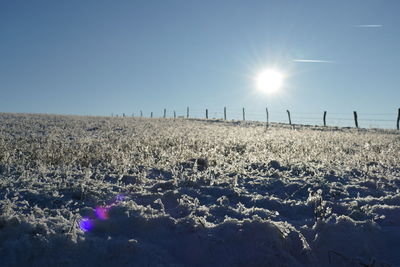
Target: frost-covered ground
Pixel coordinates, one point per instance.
(96, 191)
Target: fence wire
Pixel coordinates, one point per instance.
(341, 119)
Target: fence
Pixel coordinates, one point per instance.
(325, 118)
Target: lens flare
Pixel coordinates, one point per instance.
(102, 212)
(86, 224)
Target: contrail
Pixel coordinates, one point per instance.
(369, 25)
(312, 61)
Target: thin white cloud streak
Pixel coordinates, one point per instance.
(312, 61)
(369, 26)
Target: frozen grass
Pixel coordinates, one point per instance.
(196, 193)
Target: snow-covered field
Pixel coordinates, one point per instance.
(97, 191)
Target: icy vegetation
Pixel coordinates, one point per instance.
(97, 191)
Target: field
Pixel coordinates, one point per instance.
(101, 191)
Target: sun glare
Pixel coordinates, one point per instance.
(269, 81)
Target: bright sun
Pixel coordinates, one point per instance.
(269, 81)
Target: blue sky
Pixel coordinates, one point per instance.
(101, 57)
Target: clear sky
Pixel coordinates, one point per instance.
(97, 57)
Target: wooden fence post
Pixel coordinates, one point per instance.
(290, 121)
(355, 118)
(266, 110)
(187, 112)
(174, 114)
(244, 115)
(207, 114)
(165, 113)
(224, 113)
(324, 118)
(398, 120)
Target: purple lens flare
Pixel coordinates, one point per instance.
(102, 212)
(86, 224)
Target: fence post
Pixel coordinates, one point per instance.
(324, 118)
(224, 113)
(174, 114)
(187, 112)
(165, 113)
(266, 110)
(151, 114)
(398, 120)
(207, 114)
(244, 115)
(355, 118)
(290, 121)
